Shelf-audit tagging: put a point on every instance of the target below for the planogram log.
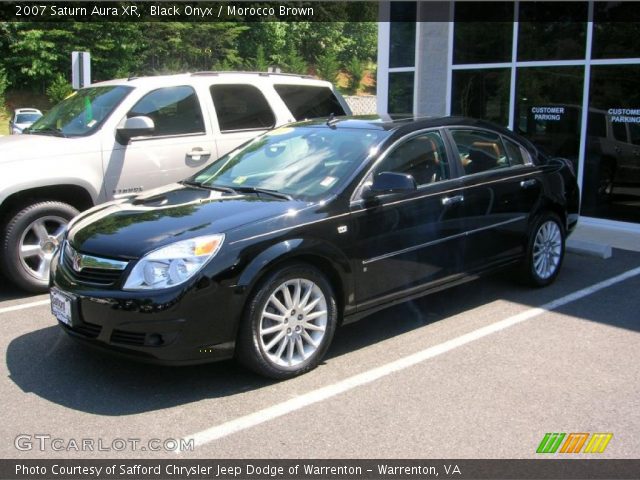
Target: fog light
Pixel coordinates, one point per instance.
(155, 339)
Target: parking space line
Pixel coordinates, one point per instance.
(24, 306)
(248, 421)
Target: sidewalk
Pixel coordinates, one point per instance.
(598, 241)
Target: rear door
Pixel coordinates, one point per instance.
(403, 241)
(501, 187)
(242, 112)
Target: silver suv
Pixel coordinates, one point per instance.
(126, 136)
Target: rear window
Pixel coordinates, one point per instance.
(241, 107)
(309, 102)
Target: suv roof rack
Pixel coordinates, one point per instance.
(262, 74)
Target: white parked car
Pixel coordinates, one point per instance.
(129, 135)
(23, 118)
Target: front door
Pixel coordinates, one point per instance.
(178, 148)
(406, 240)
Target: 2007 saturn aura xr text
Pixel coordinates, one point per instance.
(264, 252)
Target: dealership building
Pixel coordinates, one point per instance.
(566, 75)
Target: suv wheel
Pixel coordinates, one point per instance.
(545, 251)
(289, 323)
(31, 237)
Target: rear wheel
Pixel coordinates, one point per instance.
(31, 237)
(545, 251)
(289, 323)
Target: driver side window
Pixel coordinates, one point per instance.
(423, 157)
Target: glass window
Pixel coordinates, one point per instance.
(402, 34)
(82, 112)
(482, 94)
(479, 150)
(611, 180)
(241, 107)
(309, 102)
(549, 108)
(423, 157)
(552, 30)
(483, 32)
(515, 152)
(174, 111)
(616, 30)
(303, 162)
(400, 92)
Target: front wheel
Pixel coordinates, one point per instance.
(289, 323)
(31, 237)
(545, 251)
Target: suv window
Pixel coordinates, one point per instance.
(479, 150)
(423, 157)
(309, 102)
(241, 107)
(174, 111)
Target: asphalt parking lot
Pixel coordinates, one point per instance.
(483, 370)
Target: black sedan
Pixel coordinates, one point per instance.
(265, 252)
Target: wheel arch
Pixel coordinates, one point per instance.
(77, 196)
(319, 254)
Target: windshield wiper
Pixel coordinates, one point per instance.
(265, 191)
(56, 132)
(192, 183)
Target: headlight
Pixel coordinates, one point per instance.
(173, 264)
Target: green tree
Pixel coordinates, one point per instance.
(260, 62)
(59, 89)
(355, 67)
(327, 66)
(294, 62)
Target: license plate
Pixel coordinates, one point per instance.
(61, 306)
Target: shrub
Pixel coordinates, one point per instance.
(327, 66)
(356, 70)
(59, 89)
(4, 83)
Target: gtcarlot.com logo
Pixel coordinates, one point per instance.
(43, 443)
(574, 442)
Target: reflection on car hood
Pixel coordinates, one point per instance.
(169, 214)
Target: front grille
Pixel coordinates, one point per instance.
(89, 330)
(128, 338)
(90, 275)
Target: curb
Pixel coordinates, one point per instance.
(591, 249)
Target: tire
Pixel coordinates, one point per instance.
(545, 251)
(31, 236)
(276, 339)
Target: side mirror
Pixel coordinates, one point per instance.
(390, 182)
(135, 127)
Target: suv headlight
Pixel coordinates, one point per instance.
(173, 264)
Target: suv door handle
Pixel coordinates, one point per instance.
(451, 200)
(528, 183)
(197, 153)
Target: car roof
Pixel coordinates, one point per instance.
(27, 110)
(220, 77)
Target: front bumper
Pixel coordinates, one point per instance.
(196, 323)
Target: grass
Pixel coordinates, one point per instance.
(4, 121)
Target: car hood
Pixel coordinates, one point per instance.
(143, 223)
(15, 148)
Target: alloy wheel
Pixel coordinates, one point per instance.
(38, 243)
(293, 322)
(547, 249)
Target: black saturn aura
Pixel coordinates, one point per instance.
(263, 253)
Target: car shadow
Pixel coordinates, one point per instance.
(50, 365)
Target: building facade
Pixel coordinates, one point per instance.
(566, 75)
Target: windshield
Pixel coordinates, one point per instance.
(27, 117)
(81, 112)
(302, 162)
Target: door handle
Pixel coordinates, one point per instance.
(451, 200)
(197, 153)
(528, 183)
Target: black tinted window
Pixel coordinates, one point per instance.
(515, 152)
(241, 107)
(174, 111)
(479, 150)
(423, 157)
(309, 102)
